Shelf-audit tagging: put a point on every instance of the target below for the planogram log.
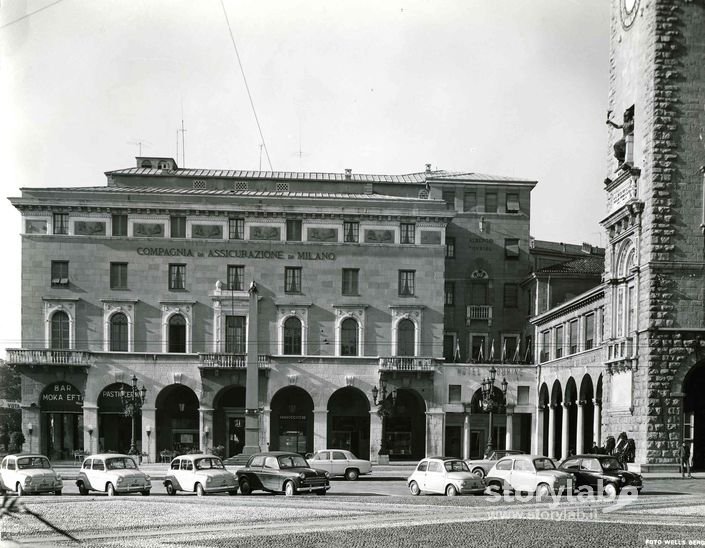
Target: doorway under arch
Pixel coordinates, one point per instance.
(349, 421)
(405, 427)
(229, 420)
(694, 415)
(177, 419)
(291, 421)
(114, 427)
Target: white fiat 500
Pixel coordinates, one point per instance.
(200, 474)
(29, 474)
(113, 474)
(445, 475)
(530, 474)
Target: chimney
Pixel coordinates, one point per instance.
(348, 173)
(428, 168)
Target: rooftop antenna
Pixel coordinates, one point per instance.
(139, 143)
(300, 153)
(183, 140)
(261, 146)
(177, 147)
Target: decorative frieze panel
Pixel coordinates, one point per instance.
(260, 232)
(319, 234)
(148, 230)
(35, 226)
(430, 237)
(379, 236)
(89, 228)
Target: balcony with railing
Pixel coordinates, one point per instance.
(223, 360)
(621, 353)
(408, 364)
(479, 312)
(22, 356)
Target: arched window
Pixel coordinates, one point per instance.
(118, 332)
(406, 338)
(60, 331)
(349, 337)
(177, 334)
(292, 336)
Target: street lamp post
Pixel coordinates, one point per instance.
(385, 404)
(132, 401)
(492, 404)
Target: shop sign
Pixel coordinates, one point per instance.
(110, 400)
(61, 397)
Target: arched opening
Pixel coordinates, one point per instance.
(556, 449)
(406, 338)
(482, 421)
(349, 421)
(694, 415)
(587, 394)
(60, 339)
(405, 426)
(118, 332)
(597, 427)
(292, 337)
(571, 399)
(114, 428)
(349, 337)
(544, 405)
(61, 408)
(177, 334)
(291, 421)
(229, 420)
(177, 419)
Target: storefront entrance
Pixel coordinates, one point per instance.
(349, 421)
(694, 415)
(405, 427)
(291, 423)
(229, 420)
(61, 406)
(177, 420)
(114, 428)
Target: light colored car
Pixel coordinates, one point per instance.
(445, 475)
(28, 474)
(200, 474)
(530, 474)
(482, 466)
(338, 462)
(113, 474)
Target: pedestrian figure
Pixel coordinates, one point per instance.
(684, 458)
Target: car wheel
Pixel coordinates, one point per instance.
(200, 491)
(351, 474)
(414, 488)
(542, 491)
(145, 493)
(289, 489)
(170, 489)
(20, 490)
(496, 487)
(245, 487)
(233, 492)
(57, 492)
(479, 472)
(81, 489)
(321, 492)
(451, 490)
(110, 490)
(610, 490)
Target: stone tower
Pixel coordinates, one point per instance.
(655, 269)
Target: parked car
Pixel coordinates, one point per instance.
(28, 474)
(590, 470)
(528, 473)
(113, 474)
(338, 462)
(200, 474)
(281, 472)
(445, 475)
(482, 466)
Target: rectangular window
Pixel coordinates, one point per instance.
(511, 248)
(545, 352)
(523, 395)
(59, 273)
(511, 295)
(450, 247)
(118, 275)
(177, 276)
(450, 293)
(510, 345)
(352, 231)
(235, 334)
(406, 283)
(477, 348)
(449, 198)
(454, 391)
(292, 279)
(491, 202)
(630, 311)
(589, 331)
(408, 233)
(178, 226)
(512, 202)
(470, 201)
(236, 278)
(61, 223)
(119, 225)
(573, 336)
(293, 230)
(350, 281)
(559, 341)
(236, 229)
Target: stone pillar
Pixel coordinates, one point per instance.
(149, 433)
(206, 428)
(551, 430)
(509, 442)
(320, 428)
(435, 429)
(252, 375)
(597, 423)
(537, 448)
(264, 422)
(565, 437)
(31, 420)
(466, 436)
(90, 428)
(580, 427)
(375, 434)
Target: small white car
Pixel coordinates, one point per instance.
(202, 474)
(28, 474)
(113, 474)
(338, 462)
(445, 475)
(529, 474)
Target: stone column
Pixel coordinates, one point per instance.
(597, 423)
(90, 428)
(33, 440)
(252, 375)
(264, 422)
(435, 430)
(320, 428)
(375, 434)
(509, 442)
(466, 436)
(580, 427)
(565, 438)
(537, 448)
(149, 433)
(551, 430)
(206, 428)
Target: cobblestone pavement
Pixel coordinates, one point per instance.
(669, 511)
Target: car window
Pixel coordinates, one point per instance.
(87, 464)
(10, 464)
(271, 462)
(504, 464)
(120, 463)
(610, 464)
(186, 464)
(292, 461)
(456, 466)
(592, 465)
(323, 455)
(257, 461)
(337, 455)
(423, 465)
(544, 464)
(175, 464)
(571, 463)
(522, 465)
(208, 463)
(4, 464)
(25, 463)
(435, 466)
(98, 465)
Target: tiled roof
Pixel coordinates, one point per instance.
(582, 265)
(474, 177)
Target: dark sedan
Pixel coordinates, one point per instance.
(602, 473)
(280, 472)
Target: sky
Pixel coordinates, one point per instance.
(503, 87)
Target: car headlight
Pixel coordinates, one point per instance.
(623, 479)
(147, 477)
(302, 475)
(209, 479)
(327, 474)
(27, 480)
(120, 479)
(58, 476)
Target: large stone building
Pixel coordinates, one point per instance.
(279, 298)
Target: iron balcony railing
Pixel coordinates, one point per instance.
(402, 363)
(22, 356)
(224, 360)
(481, 312)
